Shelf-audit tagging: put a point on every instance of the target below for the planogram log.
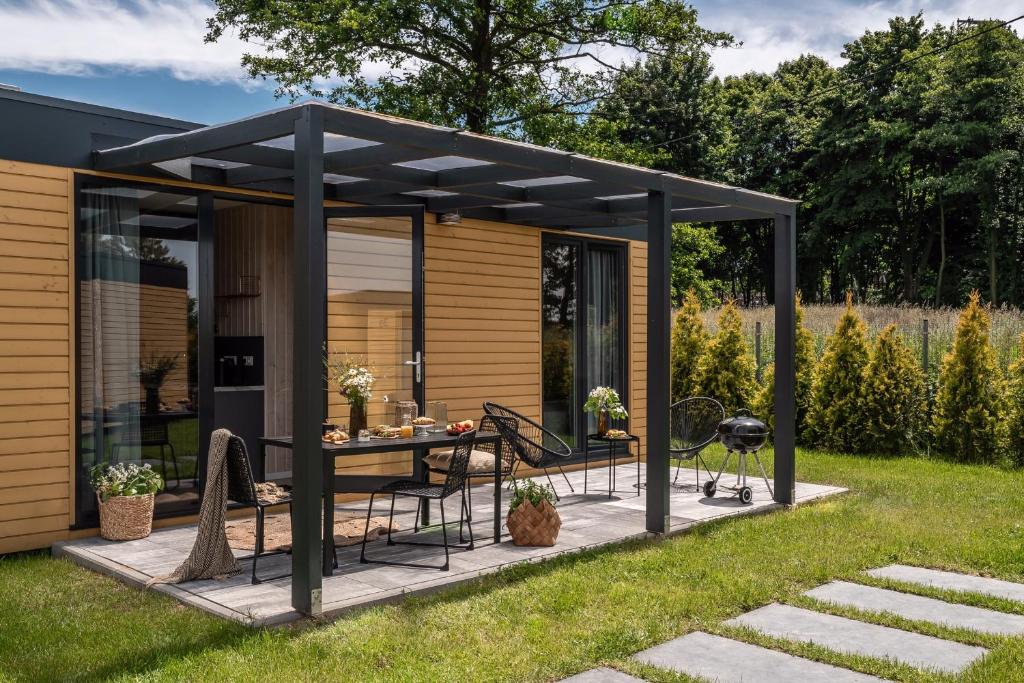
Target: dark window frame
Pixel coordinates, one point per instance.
(582, 284)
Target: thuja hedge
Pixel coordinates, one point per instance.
(868, 395)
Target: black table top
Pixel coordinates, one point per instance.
(610, 439)
(356, 447)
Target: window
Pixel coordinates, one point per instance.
(583, 329)
(138, 338)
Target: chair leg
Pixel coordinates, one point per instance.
(444, 536)
(163, 464)
(259, 543)
(366, 530)
(462, 512)
(566, 477)
(174, 461)
(469, 497)
(512, 475)
(551, 484)
(391, 517)
(469, 523)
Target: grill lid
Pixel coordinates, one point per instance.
(742, 424)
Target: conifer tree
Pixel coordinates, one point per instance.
(835, 419)
(689, 343)
(764, 402)
(727, 369)
(965, 425)
(1015, 405)
(895, 420)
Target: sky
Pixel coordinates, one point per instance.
(149, 55)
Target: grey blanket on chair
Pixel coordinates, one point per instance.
(211, 556)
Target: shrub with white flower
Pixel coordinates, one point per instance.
(352, 376)
(124, 479)
(607, 399)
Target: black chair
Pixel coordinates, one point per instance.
(693, 427)
(484, 458)
(243, 491)
(143, 431)
(424, 492)
(536, 446)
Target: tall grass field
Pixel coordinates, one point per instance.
(1007, 327)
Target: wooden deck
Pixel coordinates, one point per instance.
(588, 521)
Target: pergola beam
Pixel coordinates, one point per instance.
(785, 358)
(659, 314)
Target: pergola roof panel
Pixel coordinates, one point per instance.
(378, 159)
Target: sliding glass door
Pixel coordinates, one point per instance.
(583, 287)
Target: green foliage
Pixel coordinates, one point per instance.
(966, 422)
(764, 401)
(124, 479)
(694, 249)
(528, 489)
(689, 344)
(726, 371)
(1015, 407)
(481, 66)
(835, 420)
(606, 399)
(895, 420)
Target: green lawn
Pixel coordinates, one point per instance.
(544, 622)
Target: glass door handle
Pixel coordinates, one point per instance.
(418, 363)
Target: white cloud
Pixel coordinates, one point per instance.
(778, 30)
(78, 37)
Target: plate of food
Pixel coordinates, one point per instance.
(336, 436)
(615, 434)
(386, 432)
(456, 428)
(423, 424)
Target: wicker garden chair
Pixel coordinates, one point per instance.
(454, 482)
(242, 489)
(534, 445)
(484, 456)
(693, 427)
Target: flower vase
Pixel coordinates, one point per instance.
(602, 422)
(152, 400)
(356, 418)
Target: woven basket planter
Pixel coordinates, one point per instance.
(126, 518)
(534, 525)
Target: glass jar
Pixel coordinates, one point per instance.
(405, 412)
(438, 412)
(364, 434)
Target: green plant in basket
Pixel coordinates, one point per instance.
(533, 492)
(124, 479)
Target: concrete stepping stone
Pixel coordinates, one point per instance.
(730, 661)
(602, 675)
(856, 637)
(965, 583)
(871, 599)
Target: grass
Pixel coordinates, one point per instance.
(548, 621)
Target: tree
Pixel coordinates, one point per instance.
(836, 417)
(689, 344)
(727, 369)
(894, 397)
(764, 403)
(1015, 406)
(694, 248)
(966, 421)
(482, 65)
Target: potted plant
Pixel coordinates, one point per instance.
(152, 375)
(532, 517)
(125, 493)
(354, 379)
(606, 403)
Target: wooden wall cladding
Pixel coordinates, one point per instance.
(36, 361)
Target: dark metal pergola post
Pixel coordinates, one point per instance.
(659, 314)
(785, 358)
(310, 282)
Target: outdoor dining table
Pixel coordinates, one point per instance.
(368, 483)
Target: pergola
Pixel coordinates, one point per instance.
(316, 152)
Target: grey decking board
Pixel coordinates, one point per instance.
(965, 583)
(859, 638)
(918, 608)
(730, 661)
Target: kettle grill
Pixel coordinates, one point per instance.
(744, 435)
